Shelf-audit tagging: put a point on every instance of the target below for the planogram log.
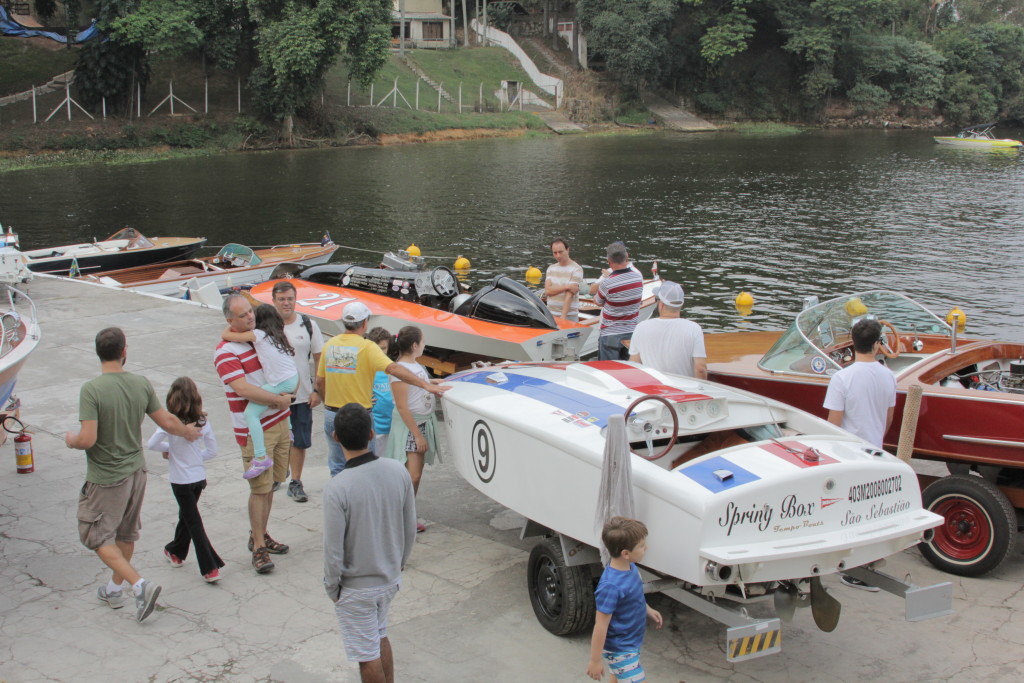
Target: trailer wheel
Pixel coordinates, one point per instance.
(562, 596)
(979, 530)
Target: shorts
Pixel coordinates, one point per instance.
(302, 425)
(363, 620)
(625, 666)
(410, 441)
(111, 512)
(278, 444)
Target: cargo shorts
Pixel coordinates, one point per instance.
(111, 512)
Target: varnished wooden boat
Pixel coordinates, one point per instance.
(126, 248)
(234, 265)
(971, 413)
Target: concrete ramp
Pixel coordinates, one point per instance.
(558, 122)
(675, 118)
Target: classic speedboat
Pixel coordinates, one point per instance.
(745, 498)
(234, 265)
(126, 248)
(503, 320)
(978, 137)
(971, 412)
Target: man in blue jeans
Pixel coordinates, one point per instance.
(345, 374)
(619, 292)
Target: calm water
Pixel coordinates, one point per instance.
(783, 217)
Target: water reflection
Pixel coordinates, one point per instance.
(818, 213)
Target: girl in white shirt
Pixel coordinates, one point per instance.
(187, 475)
(282, 376)
(413, 425)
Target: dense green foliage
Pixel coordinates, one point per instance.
(775, 59)
(284, 46)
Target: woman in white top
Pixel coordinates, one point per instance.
(187, 473)
(282, 376)
(413, 437)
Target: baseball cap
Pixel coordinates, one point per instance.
(670, 294)
(355, 312)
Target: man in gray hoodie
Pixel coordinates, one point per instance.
(369, 532)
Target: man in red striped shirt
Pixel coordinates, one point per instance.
(619, 292)
(239, 369)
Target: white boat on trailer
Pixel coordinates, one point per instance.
(747, 499)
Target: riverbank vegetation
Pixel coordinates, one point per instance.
(261, 73)
(960, 60)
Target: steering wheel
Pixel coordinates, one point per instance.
(649, 429)
(442, 279)
(891, 350)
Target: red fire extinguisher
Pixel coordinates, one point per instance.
(23, 453)
(22, 444)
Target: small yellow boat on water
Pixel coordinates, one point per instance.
(978, 137)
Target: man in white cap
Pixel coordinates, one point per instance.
(670, 343)
(345, 374)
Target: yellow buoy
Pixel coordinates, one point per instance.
(855, 307)
(461, 263)
(744, 300)
(744, 310)
(962, 322)
(533, 275)
(413, 250)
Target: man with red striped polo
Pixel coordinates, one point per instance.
(619, 292)
(239, 369)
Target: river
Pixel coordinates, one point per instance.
(822, 212)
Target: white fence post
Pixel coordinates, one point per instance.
(35, 117)
(418, 94)
(438, 98)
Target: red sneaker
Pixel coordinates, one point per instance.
(212, 577)
(173, 559)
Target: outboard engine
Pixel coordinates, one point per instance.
(1013, 381)
(508, 302)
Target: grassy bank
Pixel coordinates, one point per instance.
(214, 114)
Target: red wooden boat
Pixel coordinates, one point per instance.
(971, 415)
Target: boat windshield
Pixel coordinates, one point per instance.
(136, 240)
(237, 255)
(806, 346)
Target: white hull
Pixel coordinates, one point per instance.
(533, 450)
(223, 279)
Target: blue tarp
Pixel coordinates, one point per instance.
(9, 27)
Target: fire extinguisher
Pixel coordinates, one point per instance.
(23, 453)
(22, 445)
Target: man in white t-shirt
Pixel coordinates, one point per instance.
(304, 336)
(862, 396)
(670, 343)
(562, 282)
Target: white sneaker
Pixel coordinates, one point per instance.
(145, 599)
(113, 598)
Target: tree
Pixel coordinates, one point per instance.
(297, 42)
(632, 36)
(111, 70)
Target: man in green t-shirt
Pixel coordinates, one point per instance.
(111, 408)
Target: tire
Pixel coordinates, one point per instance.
(979, 529)
(562, 596)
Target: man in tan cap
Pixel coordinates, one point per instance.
(669, 342)
(345, 374)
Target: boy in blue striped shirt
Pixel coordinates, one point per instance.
(622, 610)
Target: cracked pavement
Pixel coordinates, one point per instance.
(463, 613)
